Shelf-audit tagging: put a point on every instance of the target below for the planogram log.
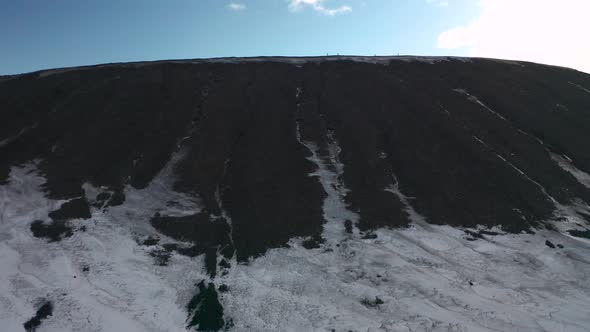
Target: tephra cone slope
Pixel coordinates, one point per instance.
(222, 177)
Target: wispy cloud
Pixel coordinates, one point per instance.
(546, 31)
(236, 6)
(318, 6)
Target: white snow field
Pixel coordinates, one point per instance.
(421, 278)
(122, 291)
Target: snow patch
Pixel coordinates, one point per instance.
(426, 277)
(158, 196)
(329, 172)
(414, 216)
(429, 279)
(99, 279)
(566, 164)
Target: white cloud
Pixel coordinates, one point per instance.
(236, 6)
(318, 6)
(546, 31)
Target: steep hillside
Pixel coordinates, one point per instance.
(237, 192)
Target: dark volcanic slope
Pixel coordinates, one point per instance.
(470, 140)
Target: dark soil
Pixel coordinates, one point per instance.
(370, 236)
(313, 242)
(372, 303)
(151, 241)
(74, 209)
(348, 226)
(161, 256)
(43, 312)
(224, 264)
(118, 125)
(583, 234)
(211, 261)
(53, 231)
(59, 228)
(205, 311)
(208, 235)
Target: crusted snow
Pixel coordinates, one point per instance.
(329, 170)
(429, 278)
(122, 291)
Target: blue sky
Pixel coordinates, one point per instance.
(46, 34)
(38, 34)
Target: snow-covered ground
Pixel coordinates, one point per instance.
(424, 278)
(428, 278)
(122, 290)
(421, 278)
